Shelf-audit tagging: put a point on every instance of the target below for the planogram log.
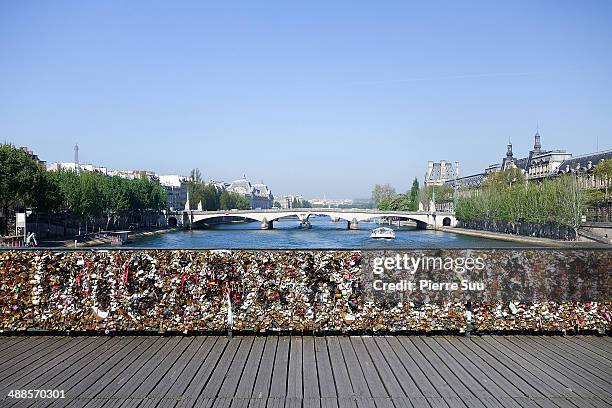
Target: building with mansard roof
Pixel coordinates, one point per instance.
(538, 164)
(440, 172)
(258, 194)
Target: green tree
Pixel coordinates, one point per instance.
(381, 194)
(276, 204)
(19, 175)
(603, 171)
(506, 179)
(414, 195)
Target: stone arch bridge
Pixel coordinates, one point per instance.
(423, 219)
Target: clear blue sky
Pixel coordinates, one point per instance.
(316, 98)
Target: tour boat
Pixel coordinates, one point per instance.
(383, 232)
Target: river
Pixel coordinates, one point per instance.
(324, 233)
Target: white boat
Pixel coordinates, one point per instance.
(383, 232)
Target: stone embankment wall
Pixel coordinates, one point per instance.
(550, 230)
(320, 291)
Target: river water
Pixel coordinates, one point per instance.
(324, 233)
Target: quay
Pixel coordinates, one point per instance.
(309, 371)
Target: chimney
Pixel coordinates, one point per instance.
(457, 169)
(509, 151)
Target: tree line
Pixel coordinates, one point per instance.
(213, 199)
(506, 196)
(94, 199)
(386, 198)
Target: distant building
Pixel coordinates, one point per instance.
(539, 164)
(440, 172)
(35, 157)
(330, 202)
(286, 201)
(259, 195)
(72, 166)
(176, 190)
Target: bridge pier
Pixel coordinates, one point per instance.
(267, 225)
(352, 225)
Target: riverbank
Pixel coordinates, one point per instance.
(524, 239)
(92, 242)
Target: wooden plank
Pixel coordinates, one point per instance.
(120, 385)
(20, 372)
(471, 374)
(171, 376)
(294, 375)
(27, 355)
(604, 353)
(278, 386)
(47, 377)
(375, 383)
(80, 388)
(249, 375)
(8, 342)
(327, 387)
(570, 354)
(507, 369)
(310, 376)
(389, 380)
(198, 350)
(438, 382)
(155, 373)
(404, 378)
(344, 389)
(407, 368)
(520, 391)
(231, 379)
(584, 354)
(567, 377)
(261, 389)
(452, 378)
(215, 381)
(204, 372)
(537, 374)
(572, 371)
(358, 380)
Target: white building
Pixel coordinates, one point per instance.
(176, 188)
(259, 194)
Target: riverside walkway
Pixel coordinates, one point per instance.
(309, 372)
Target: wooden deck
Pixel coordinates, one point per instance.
(309, 372)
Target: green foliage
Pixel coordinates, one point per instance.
(382, 193)
(85, 195)
(443, 194)
(594, 197)
(505, 180)
(414, 195)
(19, 175)
(233, 201)
(552, 200)
(276, 204)
(603, 172)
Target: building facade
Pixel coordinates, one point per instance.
(259, 195)
(538, 165)
(438, 173)
(176, 190)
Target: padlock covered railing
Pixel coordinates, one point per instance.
(187, 291)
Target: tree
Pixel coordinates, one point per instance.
(19, 175)
(414, 195)
(196, 175)
(381, 194)
(506, 179)
(276, 204)
(603, 171)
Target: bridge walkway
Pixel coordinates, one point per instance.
(309, 372)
